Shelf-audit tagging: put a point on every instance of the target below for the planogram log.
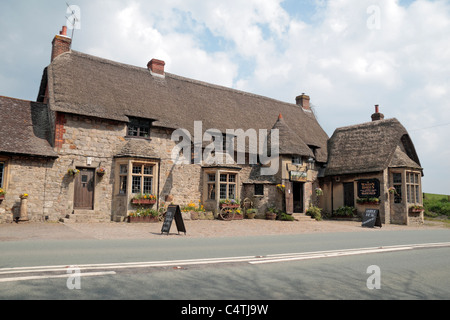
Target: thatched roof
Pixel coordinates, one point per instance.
(140, 148)
(370, 147)
(24, 128)
(289, 142)
(82, 84)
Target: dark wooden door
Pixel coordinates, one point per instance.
(349, 194)
(84, 190)
(297, 190)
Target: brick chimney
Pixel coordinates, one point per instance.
(156, 67)
(303, 101)
(61, 43)
(377, 115)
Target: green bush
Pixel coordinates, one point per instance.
(344, 211)
(285, 217)
(435, 206)
(315, 213)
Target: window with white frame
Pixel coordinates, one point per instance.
(142, 178)
(228, 182)
(413, 187)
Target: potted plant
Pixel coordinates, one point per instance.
(24, 196)
(251, 213)
(2, 195)
(144, 215)
(271, 213)
(344, 212)
(144, 199)
(101, 172)
(392, 190)
(281, 187)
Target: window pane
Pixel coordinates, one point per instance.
(132, 131)
(231, 191)
(397, 177)
(2, 169)
(123, 185)
(223, 191)
(223, 177)
(259, 189)
(123, 169)
(211, 177)
(398, 194)
(136, 185)
(137, 169)
(148, 170)
(408, 193)
(232, 178)
(148, 184)
(417, 194)
(211, 191)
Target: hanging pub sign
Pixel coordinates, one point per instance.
(298, 176)
(368, 188)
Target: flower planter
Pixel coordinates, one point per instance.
(143, 219)
(415, 212)
(143, 201)
(231, 206)
(238, 216)
(2, 198)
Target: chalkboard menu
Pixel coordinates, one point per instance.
(371, 218)
(368, 188)
(173, 211)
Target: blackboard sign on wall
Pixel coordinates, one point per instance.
(371, 218)
(368, 188)
(173, 211)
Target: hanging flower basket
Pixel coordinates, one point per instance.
(73, 172)
(2, 195)
(101, 172)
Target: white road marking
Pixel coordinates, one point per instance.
(87, 274)
(275, 258)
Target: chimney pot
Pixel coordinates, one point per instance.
(377, 115)
(63, 32)
(156, 66)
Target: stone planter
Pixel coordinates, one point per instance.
(271, 216)
(143, 201)
(195, 215)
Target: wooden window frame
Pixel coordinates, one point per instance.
(413, 189)
(139, 124)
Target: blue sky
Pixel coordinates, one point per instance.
(348, 55)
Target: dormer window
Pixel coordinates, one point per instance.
(139, 128)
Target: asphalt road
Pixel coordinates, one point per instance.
(156, 269)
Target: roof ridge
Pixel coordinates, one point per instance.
(178, 77)
(368, 123)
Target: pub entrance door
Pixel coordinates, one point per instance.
(297, 194)
(84, 190)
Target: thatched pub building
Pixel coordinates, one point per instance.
(101, 132)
